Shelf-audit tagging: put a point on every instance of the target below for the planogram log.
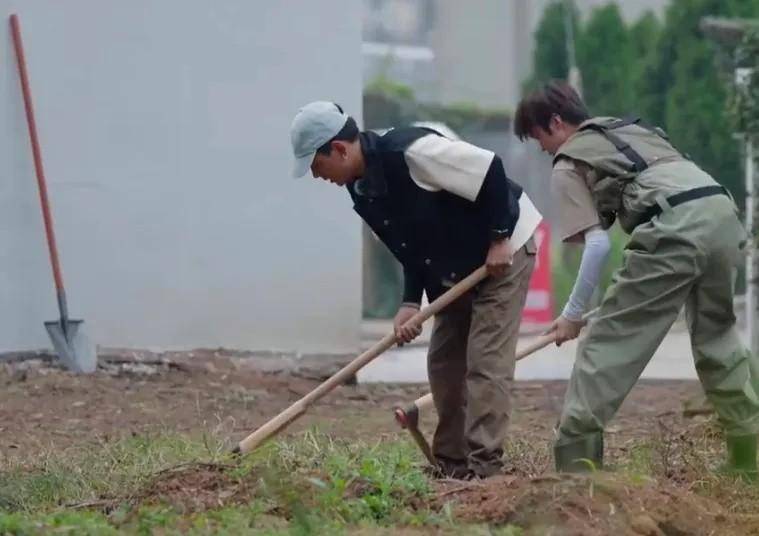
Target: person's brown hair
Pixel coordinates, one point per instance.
(555, 98)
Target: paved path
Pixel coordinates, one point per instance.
(673, 360)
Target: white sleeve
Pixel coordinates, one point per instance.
(437, 163)
(594, 255)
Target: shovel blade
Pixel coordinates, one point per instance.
(73, 347)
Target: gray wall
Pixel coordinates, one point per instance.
(474, 53)
(164, 130)
(477, 51)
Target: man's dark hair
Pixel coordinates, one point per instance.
(555, 98)
(349, 132)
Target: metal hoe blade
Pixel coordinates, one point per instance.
(72, 345)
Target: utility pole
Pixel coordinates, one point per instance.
(752, 256)
(743, 76)
(573, 76)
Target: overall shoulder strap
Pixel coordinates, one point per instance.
(639, 163)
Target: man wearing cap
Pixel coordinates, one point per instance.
(443, 208)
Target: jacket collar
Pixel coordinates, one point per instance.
(373, 182)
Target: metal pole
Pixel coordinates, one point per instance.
(573, 71)
(752, 330)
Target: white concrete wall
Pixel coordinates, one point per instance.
(164, 131)
(474, 56)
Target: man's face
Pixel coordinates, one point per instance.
(336, 167)
(550, 140)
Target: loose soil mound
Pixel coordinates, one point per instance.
(197, 487)
(600, 504)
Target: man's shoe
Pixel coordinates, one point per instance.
(445, 468)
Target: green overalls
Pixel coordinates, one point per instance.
(686, 241)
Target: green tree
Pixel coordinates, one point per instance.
(680, 89)
(606, 57)
(549, 58)
(644, 37)
(695, 116)
(667, 73)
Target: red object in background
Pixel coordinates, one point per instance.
(538, 309)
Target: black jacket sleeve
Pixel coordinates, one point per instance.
(499, 198)
(413, 286)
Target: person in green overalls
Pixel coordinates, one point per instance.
(686, 240)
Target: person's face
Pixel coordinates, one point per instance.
(550, 140)
(338, 167)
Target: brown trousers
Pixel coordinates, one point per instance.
(470, 364)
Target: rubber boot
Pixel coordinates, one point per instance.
(581, 455)
(741, 457)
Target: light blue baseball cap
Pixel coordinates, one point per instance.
(314, 125)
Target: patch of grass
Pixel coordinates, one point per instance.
(106, 470)
(526, 458)
(314, 484)
(84, 523)
(509, 530)
(689, 459)
(310, 484)
(638, 468)
(348, 481)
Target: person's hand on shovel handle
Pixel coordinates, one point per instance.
(404, 331)
(565, 329)
(500, 257)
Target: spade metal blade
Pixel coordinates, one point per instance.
(73, 346)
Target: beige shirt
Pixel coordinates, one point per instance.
(456, 166)
(576, 210)
(438, 163)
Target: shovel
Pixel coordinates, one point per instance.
(281, 421)
(69, 340)
(408, 418)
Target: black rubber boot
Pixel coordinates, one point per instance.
(581, 455)
(741, 457)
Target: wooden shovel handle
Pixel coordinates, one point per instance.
(281, 421)
(36, 151)
(425, 402)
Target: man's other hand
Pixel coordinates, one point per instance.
(406, 333)
(500, 256)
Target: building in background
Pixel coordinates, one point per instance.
(396, 43)
(449, 51)
(458, 53)
(165, 134)
(477, 52)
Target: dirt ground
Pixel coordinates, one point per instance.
(42, 407)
